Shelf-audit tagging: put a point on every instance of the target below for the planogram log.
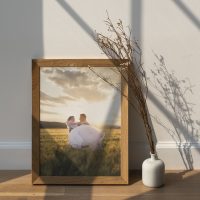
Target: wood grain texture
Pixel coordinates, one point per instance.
(179, 185)
(35, 120)
(36, 178)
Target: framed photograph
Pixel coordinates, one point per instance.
(79, 123)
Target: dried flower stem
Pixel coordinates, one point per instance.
(126, 55)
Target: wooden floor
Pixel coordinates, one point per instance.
(178, 186)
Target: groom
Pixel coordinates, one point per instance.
(83, 120)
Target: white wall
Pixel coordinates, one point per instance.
(63, 29)
(172, 29)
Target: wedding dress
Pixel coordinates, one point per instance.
(85, 135)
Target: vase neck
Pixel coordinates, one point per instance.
(153, 156)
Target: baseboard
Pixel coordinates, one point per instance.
(176, 145)
(177, 156)
(184, 155)
(15, 145)
(17, 155)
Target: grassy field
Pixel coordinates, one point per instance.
(57, 158)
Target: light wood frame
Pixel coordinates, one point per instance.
(36, 178)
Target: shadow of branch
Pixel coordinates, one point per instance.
(177, 109)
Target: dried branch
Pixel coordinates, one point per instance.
(125, 53)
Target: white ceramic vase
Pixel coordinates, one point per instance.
(153, 171)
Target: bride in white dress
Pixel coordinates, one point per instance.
(81, 134)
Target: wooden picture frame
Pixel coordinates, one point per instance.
(37, 176)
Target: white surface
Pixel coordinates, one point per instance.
(85, 135)
(53, 29)
(153, 172)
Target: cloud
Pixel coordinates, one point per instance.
(42, 111)
(79, 83)
(47, 70)
(71, 78)
(47, 99)
(87, 93)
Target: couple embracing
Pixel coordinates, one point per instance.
(71, 122)
(81, 134)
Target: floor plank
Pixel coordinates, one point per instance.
(179, 185)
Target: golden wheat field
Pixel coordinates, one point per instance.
(57, 158)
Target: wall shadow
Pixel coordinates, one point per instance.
(177, 109)
(176, 121)
(193, 18)
(139, 148)
(136, 17)
(186, 154)
(77, 18)
(113, 109)
(21, 39)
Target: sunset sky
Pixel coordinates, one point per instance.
(71, 90)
